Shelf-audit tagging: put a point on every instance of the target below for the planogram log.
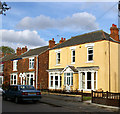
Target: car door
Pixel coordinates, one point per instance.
(8, 92)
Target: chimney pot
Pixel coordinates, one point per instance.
(62, 38)
(114, 32)
(53, 39)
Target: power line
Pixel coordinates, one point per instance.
(104, 14)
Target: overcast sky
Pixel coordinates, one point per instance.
(33, 24)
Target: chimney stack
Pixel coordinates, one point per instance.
(62, 40)
(24, 49)
(114, 32)
(51, 43)
(18, 51)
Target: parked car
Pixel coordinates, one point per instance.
(22, 93)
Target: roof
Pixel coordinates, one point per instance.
(73, 68)
(88, 68)
(85, 38)
(8, 57)
(33, 52)
(55, 69)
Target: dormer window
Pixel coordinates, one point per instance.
(31, 63)
(15, 65)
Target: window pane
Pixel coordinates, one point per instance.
(88, 75)
(51, 84)
(14, 76)
(14, 81)
(60, 81)
(51, 77)
(90, 57)
(56, 77)
(90, 51)
(58, 55)
(68, 74)
(73, 59)
(95, 76)
(72, 80)
(31, 81)
(88, 84)
(64, 78)
(73, 53)
(83, 84)
(88, 80)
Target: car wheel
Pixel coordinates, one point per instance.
(4, 97)
(16, 100)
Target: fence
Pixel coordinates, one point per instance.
(75, 92)
(106, 98)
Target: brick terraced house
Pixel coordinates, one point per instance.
(86, 62)
(28, 67)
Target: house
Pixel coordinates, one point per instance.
(86, 62)
(1, 69)
(28, 67)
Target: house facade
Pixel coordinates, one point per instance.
(28, 67)
(86, 62)
(25, 68)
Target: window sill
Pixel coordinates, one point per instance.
(73, 63)
(14, 70)
(31, 68)
(89, 62)
(57, 64)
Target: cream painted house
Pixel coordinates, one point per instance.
(86, 62)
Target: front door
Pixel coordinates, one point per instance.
(68, 80)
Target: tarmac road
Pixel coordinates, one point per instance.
(52, 103)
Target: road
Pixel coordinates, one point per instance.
(52, 104)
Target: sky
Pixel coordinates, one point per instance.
(33, 24)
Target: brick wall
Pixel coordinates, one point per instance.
(42, 73)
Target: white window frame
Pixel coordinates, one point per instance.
(91, 45)
(15, 65)
(57, 61)
(13, 79)
(31, 62)
(55, 74)
(58, 51)
(72, 56)
(92, 80)
(1, 67)
(30, 73)
(70, 76)
(89, 48)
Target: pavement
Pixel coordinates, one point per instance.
(75, 98)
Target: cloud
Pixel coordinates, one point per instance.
(77, 22)
(21, 38)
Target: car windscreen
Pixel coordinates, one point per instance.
(27, 88)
